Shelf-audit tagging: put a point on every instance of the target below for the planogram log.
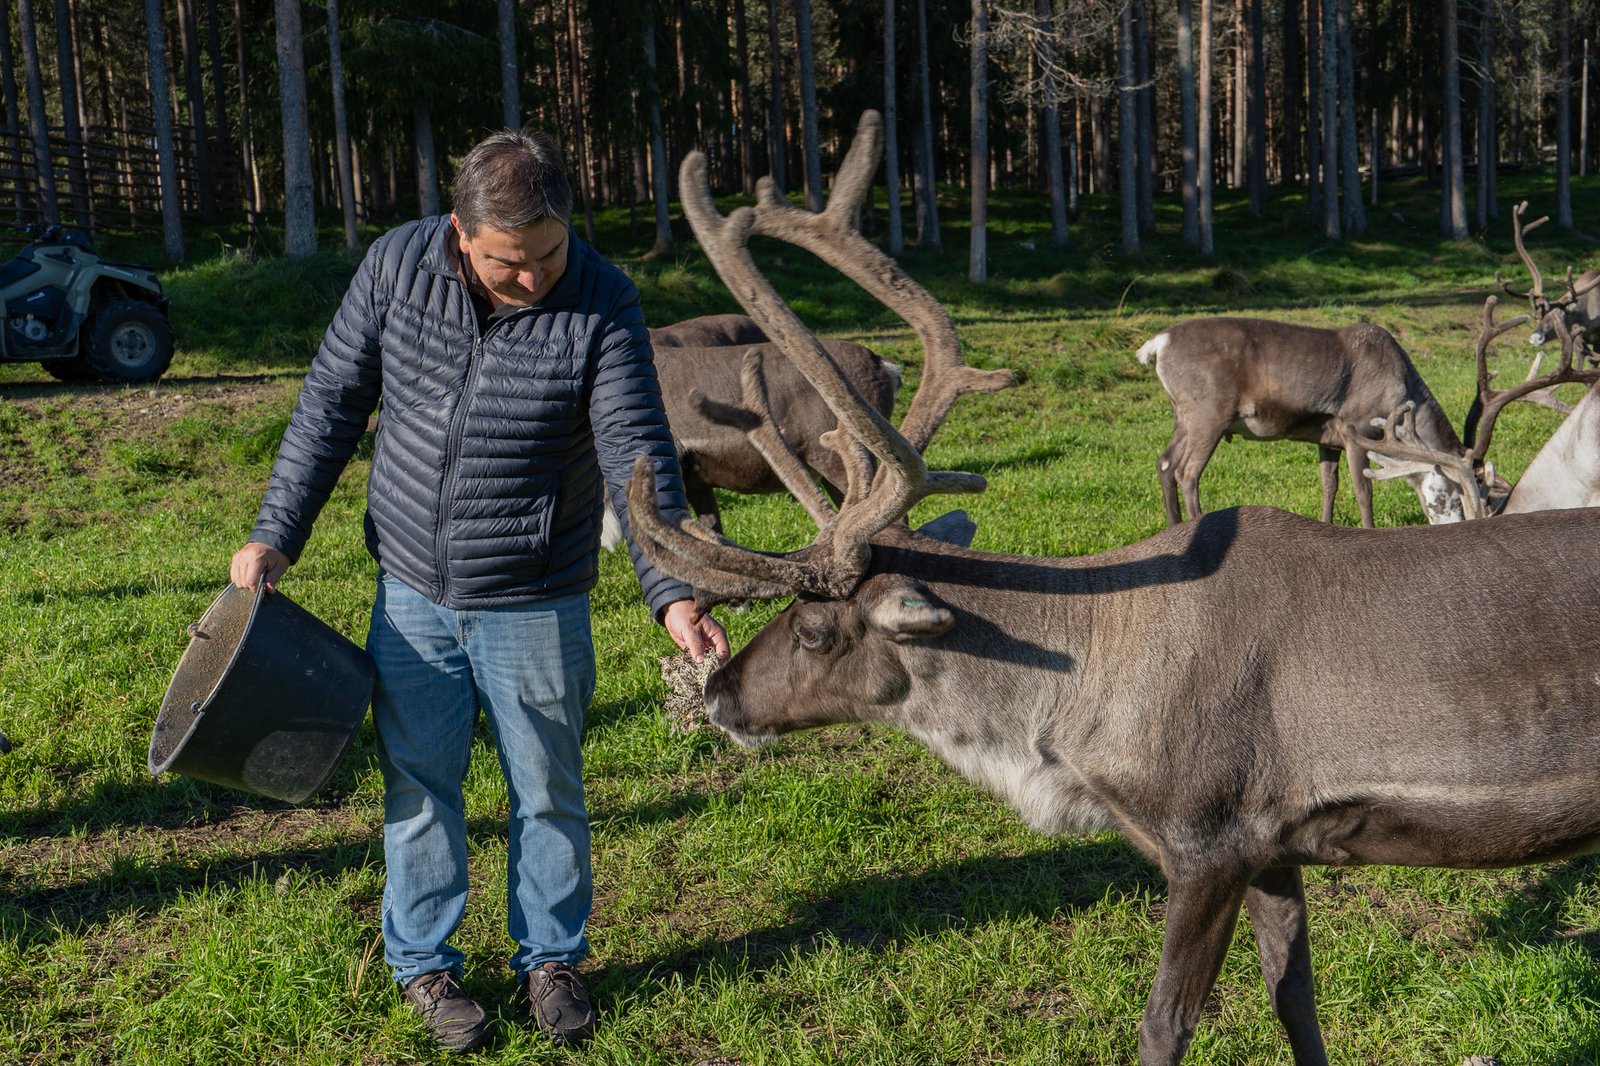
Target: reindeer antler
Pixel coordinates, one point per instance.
(834, 564)
(1401, 452)
(1518, 231)
(1486, 407)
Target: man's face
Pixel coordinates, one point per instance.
(518, 267)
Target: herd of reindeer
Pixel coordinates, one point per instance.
(1239, 695)
(1244, 693)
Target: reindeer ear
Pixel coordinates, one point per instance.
(905, 612)
(952, 527)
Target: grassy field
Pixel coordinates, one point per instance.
(837, 898)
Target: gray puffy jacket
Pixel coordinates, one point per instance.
(486, 476)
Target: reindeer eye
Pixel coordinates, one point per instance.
(810, 637)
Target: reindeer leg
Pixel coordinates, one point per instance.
(1328, 460)
(1202, 910)
(703, 498)
(1277, 903)
(1356, 457)
(1192, 465)
(1167, 469)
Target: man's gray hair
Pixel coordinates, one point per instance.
(511, 180)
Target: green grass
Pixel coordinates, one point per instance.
(839, 897)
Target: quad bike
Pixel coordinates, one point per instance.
(83, 318)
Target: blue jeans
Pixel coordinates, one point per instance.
(531, 669)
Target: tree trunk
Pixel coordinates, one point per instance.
(1188, 131)
(747, 150)
(1563, 88)
(1293, 85)
(658, 141)
(219, 110)
(777, 146)
(510, 70)
(1256, 167)
(428, 201)
(1330, 120)
(1203, 141)
(1127, 133)
(1145, 115)
(1488, 142)
(13, 114)
(1314, 106)
(44, 168)
(1453, 210)
(341, 127)
(300, 219)
(251, 176)
(1353, 216)
(1240, 95)
(808, 105)
(928, 211)
(194, 93)
(891, 138)
(978, 256)
(77, 175)
(156, 49)
(1055, 180)
(580, 128)
(8, 80)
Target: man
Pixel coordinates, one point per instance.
(517, 385)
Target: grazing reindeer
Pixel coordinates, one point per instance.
(1564, 474)
(695, 372)
(1275, 381)
(708, 331)
(1579, 308)
(1199, 691)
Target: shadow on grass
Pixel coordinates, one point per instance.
(873, 913)
(1533, 915)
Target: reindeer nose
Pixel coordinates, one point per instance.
(1536, 339)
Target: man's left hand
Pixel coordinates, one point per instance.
(694, 637)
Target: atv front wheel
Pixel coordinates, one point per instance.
(128, 341)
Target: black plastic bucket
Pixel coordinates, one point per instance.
(267, 698)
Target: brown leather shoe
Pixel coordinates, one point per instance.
(454, 1019)
(559, 1005)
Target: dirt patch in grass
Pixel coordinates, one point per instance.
(116, 413)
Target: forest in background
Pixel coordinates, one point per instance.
(142, 115)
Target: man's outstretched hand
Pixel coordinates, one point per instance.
(695, 638)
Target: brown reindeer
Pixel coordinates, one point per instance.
(1239, 695)
(1267, 380)
(708, 331)
(697, 376)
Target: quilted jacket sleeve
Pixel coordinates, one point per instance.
(339, 395)
(629, 420)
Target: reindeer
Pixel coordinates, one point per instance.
(696, 376)
(708, 331)
(1564, 474)
(1579, 308)
(1269, 380)
(1238, 695)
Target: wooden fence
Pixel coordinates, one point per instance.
(110, 178)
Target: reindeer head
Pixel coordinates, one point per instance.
(1570, 310)
(1462, 486)
(846, 620)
